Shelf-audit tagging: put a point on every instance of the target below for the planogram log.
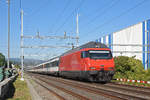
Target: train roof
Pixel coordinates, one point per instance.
(91, 44)
(49, 61)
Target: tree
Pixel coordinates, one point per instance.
(2, 60)
(10, 63)
(17, 66)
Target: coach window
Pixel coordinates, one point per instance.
(57, 64)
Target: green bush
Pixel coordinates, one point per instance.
(2, 60)
(17, 66)
(130, 68)
(147, 75)
(8, 73)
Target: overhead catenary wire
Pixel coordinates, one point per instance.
(104, 11)
(36, 11)
(51, 46)
(61, 14)
(97, 10)
(116, 17)
(66, 20)
(20, 4)
(39, 50)
(2, 2)
(120, 15)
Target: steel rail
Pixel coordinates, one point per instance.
(65, 90)
(98, 91)
(83, 87)
(106, 93)
(131, 86)
(50, 91)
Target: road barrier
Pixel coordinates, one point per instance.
(4, 85)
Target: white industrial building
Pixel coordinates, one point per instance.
(131, 41)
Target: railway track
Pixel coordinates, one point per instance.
(146, 89)
(50, 91)
(133, 91)
(140, 92)
(108, 91)
(60, 97)
(89, 90)
(113, 94)
(79, 96)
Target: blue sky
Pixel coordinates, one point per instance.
(53, 17)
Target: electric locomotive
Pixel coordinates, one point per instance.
(92, 61)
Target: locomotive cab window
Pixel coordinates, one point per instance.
(84, 54)
(100, 54)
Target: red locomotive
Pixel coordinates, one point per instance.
(92, 61)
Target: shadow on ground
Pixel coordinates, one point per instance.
(10, 93)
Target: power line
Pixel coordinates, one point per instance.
(20, 4)
(66, 20)
(116, 17)
(59, 16)
(104, 11)
(97, 10)
(38, 9)
(2, 2)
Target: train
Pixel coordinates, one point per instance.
(92, 61)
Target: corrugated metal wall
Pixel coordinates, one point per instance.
(131, 41)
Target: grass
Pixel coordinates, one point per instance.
(21, 91)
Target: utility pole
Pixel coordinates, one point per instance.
(148, 50)
(8, 33)
(77, 30)
(22, 54)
